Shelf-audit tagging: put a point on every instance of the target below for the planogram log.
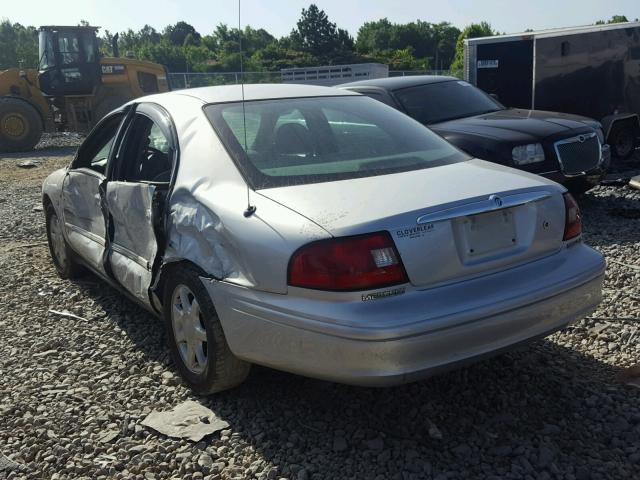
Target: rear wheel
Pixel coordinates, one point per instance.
(195, 336)
(622, 140)
(61, 254)
(20, 125)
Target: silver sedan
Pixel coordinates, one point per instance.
(316, 231)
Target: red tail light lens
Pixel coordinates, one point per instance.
(362, 262)
(573, 218)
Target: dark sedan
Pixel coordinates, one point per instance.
(566, 148)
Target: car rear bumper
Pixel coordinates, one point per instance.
(407, 337)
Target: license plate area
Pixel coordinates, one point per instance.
(488, 233)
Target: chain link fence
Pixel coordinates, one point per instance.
(181, 80)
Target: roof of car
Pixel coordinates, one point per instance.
(257, 91)
(395, 83)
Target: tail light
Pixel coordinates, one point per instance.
(361, 262)
(573, 218)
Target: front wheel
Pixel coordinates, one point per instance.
(196, 339)
(61, 254)
(20, 125)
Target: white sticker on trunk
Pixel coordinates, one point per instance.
(487, 63)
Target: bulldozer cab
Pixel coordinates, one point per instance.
(69, 61)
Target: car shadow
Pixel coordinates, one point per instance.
(521, 412)
(142, 328)
(518, 404)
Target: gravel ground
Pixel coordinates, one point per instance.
(73, 392)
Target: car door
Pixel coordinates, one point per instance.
(84, 221)
(135, 196)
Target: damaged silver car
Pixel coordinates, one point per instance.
(316, 231)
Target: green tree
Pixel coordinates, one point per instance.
(429, 43)
(374, 36)
(446, 36)
(164, 52)
(614, 19)
(404, 59)
(225, 40)
(178, 33)
(475, 30)
(277, 56)
(18, 45)
(318, 36)
(315, 40)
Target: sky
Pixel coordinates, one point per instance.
(279, 16)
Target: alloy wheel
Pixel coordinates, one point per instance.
(57, 241)
(189, 330)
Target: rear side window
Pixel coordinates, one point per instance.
(309, 140)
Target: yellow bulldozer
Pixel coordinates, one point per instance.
(72, 88)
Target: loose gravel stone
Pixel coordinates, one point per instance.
(74, 389)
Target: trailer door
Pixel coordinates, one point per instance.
(505, 68)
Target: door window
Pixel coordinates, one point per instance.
(94, 152)
(48, 59)
(148, 82)
(76, 47)
(69, 46)
(146, 155)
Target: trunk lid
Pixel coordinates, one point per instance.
(447, 222)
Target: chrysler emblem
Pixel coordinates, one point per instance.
(497, 201)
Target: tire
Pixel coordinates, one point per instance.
(20, 125)
(197, 329)
(61, 255)
(622, 140)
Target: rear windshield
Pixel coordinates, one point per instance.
(308, 140)
(438, 102)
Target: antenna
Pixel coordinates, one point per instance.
(251, 209)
